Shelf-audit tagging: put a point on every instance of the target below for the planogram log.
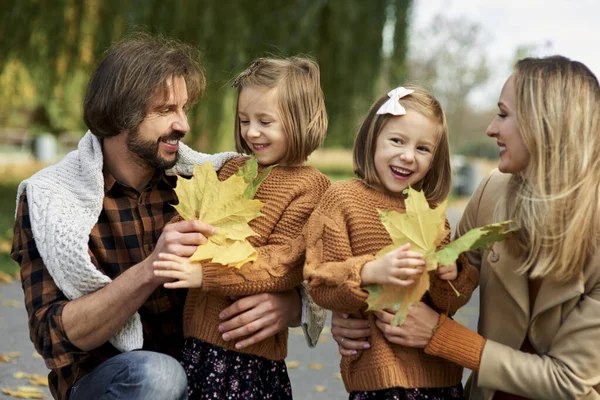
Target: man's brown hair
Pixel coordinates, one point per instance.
(130, 73)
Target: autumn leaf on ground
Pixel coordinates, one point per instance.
(424, 228)
(225, 206)
(11, 303)
(24, 392)
(5, 278)
(34, 379)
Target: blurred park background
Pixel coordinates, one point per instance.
(461, 50)
(364, 48)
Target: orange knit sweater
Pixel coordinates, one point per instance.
(289, 195)
(344, 233)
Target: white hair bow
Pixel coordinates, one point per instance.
(392, 105)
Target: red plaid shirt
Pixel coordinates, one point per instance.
(126, 232)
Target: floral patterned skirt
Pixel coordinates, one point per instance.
(217, 373)
(443, 393)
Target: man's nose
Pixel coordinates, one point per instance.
(181, 123)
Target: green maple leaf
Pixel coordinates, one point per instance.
(424, 228)
(478, 238)
(249, 172)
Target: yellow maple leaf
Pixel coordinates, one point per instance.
(224, 206)
(425, 229)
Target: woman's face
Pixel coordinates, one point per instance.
(514, 156)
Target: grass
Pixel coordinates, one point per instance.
(8, 193)
(12, 175)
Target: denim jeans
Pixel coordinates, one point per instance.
(133, 375)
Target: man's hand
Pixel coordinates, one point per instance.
(350, 333)
(416, 330)
(180, 239)
(260, 316)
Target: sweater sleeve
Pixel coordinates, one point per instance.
(465, 352)
(279, 263)
(43, 299)
(331, 270)
(441, 296)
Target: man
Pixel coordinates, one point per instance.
(89, 227)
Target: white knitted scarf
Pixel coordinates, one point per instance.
(65, 201)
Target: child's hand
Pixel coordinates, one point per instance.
(447, 272)
(186, 273)
(398, 267)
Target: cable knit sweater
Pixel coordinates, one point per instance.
(65, 200)
(344, 233)
(289, 195)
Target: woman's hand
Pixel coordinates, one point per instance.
(349, 333)
(398, 267)
(257, 317)
(417, 329)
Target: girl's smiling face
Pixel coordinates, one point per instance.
(404, 150)
(260, 124)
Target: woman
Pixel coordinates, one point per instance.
(540, 289)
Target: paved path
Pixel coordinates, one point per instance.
(314, 372)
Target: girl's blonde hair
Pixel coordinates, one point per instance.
(556, 200)
(301, 103)
(436, 184)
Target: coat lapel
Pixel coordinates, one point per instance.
(553, 293)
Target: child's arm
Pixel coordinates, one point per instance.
(441, 296)
(279, 263)
(331, 271)
(187, 274)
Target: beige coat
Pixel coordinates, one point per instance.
(564, 327)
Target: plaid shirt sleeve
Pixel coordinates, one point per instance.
(43, 300)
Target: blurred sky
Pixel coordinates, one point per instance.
(567, 27)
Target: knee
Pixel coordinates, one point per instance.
(157, 376)
(166, 377)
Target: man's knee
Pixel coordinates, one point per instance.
(164, 377)
(134, 375)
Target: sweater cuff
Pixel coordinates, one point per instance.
(210, 274)
(457, 343)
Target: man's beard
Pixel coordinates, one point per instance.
(146, 151)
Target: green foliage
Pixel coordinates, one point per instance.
(58, 42)
(8, 192)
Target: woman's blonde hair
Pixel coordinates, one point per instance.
(437, 182)
(556, 200)
(301, 103)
